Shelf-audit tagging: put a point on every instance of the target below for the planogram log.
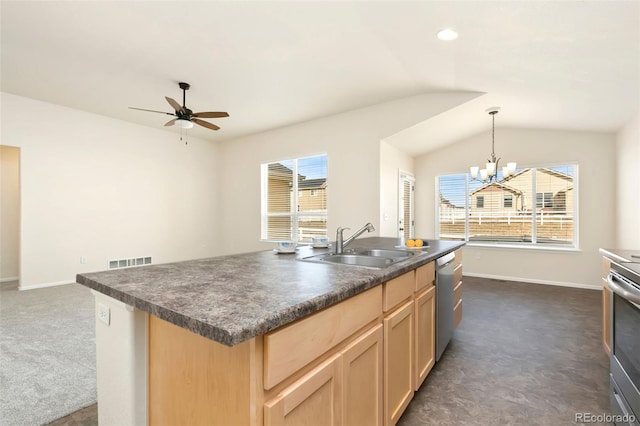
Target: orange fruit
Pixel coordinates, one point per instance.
(419, 243)
(410, 243)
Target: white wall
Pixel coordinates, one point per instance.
(102, 188)
(392, 160)
(9, 213)
(351, 141)
(628, 185)
(595, 154)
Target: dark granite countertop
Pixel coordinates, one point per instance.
(233, 298)
(620, 255)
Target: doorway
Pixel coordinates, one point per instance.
(406, 194)
(9, 215)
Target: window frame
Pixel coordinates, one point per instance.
(295, 194)
(574, 246)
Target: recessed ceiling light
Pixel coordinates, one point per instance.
(447, 34)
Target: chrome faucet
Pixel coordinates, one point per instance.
(341, 243)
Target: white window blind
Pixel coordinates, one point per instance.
(294, 208)
(534, 206)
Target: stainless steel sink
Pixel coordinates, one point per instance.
(367, 258)
(385, 253)
(359, 260)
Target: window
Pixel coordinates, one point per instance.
(544, 199)
(294, 209)
(498, 212)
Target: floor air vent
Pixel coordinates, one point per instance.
(128, 263)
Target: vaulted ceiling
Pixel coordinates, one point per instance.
(548, 64)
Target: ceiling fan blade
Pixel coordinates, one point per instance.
(174, 105)
(170, 122)
(150, 110)
(219, 114)
(205, 124)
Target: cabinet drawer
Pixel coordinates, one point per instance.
(458, 260)
(457, 314)
(291, 347)
(457, 293)
(397, 290)
(425, 275)
(457, 275)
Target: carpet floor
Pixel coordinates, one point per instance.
(47, 353)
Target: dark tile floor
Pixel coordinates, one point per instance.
(524, 354)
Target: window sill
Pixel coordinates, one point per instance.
(534, 247)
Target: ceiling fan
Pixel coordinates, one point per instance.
(184, 116)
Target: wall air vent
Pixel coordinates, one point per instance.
(128, 263)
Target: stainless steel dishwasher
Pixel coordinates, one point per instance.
(444, 302)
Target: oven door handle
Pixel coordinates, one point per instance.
(623, 289)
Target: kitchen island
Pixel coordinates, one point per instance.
(235, 339)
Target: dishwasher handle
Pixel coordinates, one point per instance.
(445, 260)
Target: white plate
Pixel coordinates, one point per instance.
(285, 251)
(321, 245)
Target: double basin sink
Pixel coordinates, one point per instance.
(368, 258)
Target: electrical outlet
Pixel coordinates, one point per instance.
(104, 313)
(83, 259)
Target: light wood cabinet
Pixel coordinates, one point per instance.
(295, 346)
(606, 307)
(357, 362)
(425, 331)
(196, 381)
(315, 399)
(346, 389)
(425, 276)
(398, 290)
(362, 380)
(398, 361)
(457, 289)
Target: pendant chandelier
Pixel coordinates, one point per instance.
(490, 172)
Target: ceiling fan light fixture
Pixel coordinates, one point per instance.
(185, 124)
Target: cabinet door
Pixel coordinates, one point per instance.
(398, 362)
(362, 380)
(606, 319)
(606, 307)
(315, 399)
(425, 335)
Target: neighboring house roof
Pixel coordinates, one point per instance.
(448, 203)
(312, 183)
(499, 186)
(544, 170)
(279, 169)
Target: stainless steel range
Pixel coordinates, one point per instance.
(624, 281)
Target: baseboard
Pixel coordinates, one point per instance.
(532, 281)
(43, 285)
(6, 280)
